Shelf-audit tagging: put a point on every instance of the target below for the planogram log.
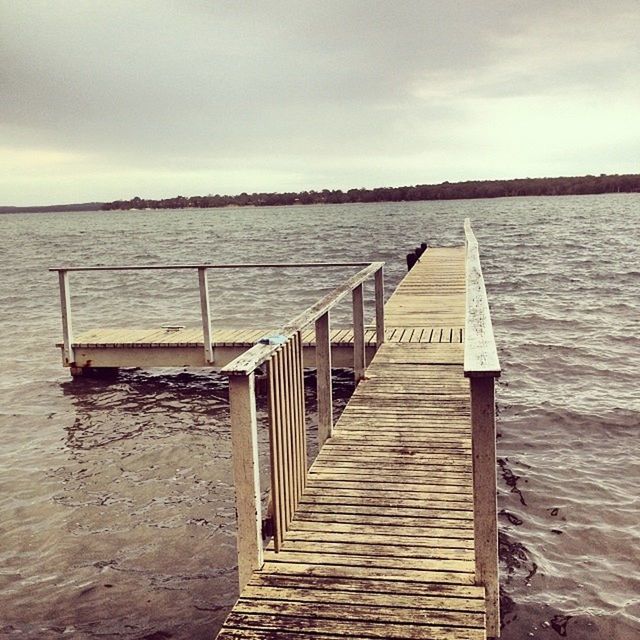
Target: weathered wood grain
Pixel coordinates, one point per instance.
(480, 352)
(382, 542)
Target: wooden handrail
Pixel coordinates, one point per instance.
(482, 367)
(258, 354)
(287, 435)
(480, 353)
(65, 296)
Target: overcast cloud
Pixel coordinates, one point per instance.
(105, 100)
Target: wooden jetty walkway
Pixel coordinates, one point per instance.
(392, 531)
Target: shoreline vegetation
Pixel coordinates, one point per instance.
(564, 186)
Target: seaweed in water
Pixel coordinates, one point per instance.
(511, 517)
(507, 609)
(559, 624)
(511, 479)
(514, 557)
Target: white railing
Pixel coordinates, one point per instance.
(282, 355)
(481, 366)
(205, 306)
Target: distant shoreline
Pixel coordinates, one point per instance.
(468, 190)
(55, 208)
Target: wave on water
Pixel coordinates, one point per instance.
(116, 496)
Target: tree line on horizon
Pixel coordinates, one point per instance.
(581, 185)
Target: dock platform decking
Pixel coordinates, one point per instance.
(184, 347)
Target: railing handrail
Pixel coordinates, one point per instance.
(204, 265)
(65, 297)
(480, 352)
(481, 366)
(287, 435)
(250, 360)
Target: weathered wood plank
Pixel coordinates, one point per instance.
(480, 353)
(343, 628)
(373, 586)
(412, 544)
(398, 529)
(348, 487)
(371, 560)
(367, 548)
(359, 613)
(312, 591)
(375, 520)
(377, 572)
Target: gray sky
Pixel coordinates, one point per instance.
(105, 100)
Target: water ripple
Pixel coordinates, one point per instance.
(116, 502)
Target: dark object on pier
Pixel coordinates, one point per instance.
(412, 258)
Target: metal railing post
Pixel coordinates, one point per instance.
(244, 442)
(379, 296)
(358, 333)
(206, 314)
(323, 378)
(67, 327)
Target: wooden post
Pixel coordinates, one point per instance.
(287, 433)
(358, 333)
(206, 314)
(323, 378)
(379, 289)
(483, 427)
(67, 327)
(300, 398)
(244, 442)
(275, 443)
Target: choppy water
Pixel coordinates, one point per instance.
(116, 504)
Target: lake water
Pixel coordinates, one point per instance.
(116, 503)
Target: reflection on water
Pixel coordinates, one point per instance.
(116, 505)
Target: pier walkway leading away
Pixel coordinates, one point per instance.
(392, 532)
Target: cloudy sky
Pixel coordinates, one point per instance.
(110, 99)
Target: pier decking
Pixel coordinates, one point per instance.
(382, 543)
(392, 531)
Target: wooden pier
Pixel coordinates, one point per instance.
(392, 530)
